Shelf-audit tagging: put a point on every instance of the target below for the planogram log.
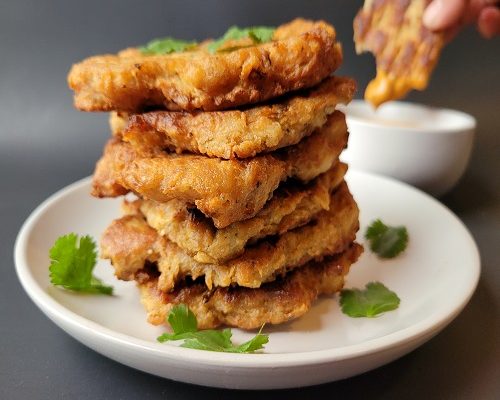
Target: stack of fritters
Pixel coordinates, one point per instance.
(242, 212)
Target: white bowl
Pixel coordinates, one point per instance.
(424, 146)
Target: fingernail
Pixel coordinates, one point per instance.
(433, 15)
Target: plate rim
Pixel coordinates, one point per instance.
(56, 311)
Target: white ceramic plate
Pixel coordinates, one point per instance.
(434, 278)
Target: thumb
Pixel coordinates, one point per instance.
(443, 14)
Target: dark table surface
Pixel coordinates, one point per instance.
(45, 144)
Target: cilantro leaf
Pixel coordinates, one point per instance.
(256, 343)
(258, 34)
(182, 320)
(374, 300)
(261, 34)
(386, 241)
(210, 340)
(71, 265)
(166, 46)
(183, 323)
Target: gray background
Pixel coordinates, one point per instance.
(45, 144)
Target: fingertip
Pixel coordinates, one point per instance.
(443, 14)
(488, 22)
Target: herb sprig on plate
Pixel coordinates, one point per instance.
(185, 327)
(374, 300)
(386, 241)
(72, 263)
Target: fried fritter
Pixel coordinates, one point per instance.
(292, 205)
(129, 242)
(225, 190)
(237, 133)
(301, 54)
(273, 303)
(406, 51)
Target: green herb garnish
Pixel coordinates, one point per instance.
(185, 327)
(386, 241)
(372, 301)
(258, 34)
(166, 46)
(71, 265)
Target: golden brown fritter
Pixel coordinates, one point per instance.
(406, 51)
(129, 240)
(292, 205)
(225, 190)
(301, 54)
(273, 303)
(237, 133)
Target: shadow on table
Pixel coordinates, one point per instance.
(469, 194)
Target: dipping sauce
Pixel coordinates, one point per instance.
(396, 123)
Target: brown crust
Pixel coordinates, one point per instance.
(236, 133)
(301, 55)
(292, 205)
(406, 51)
(225, 190)
(330, 233)
(272, 303)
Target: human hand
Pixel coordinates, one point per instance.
(450, 15)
